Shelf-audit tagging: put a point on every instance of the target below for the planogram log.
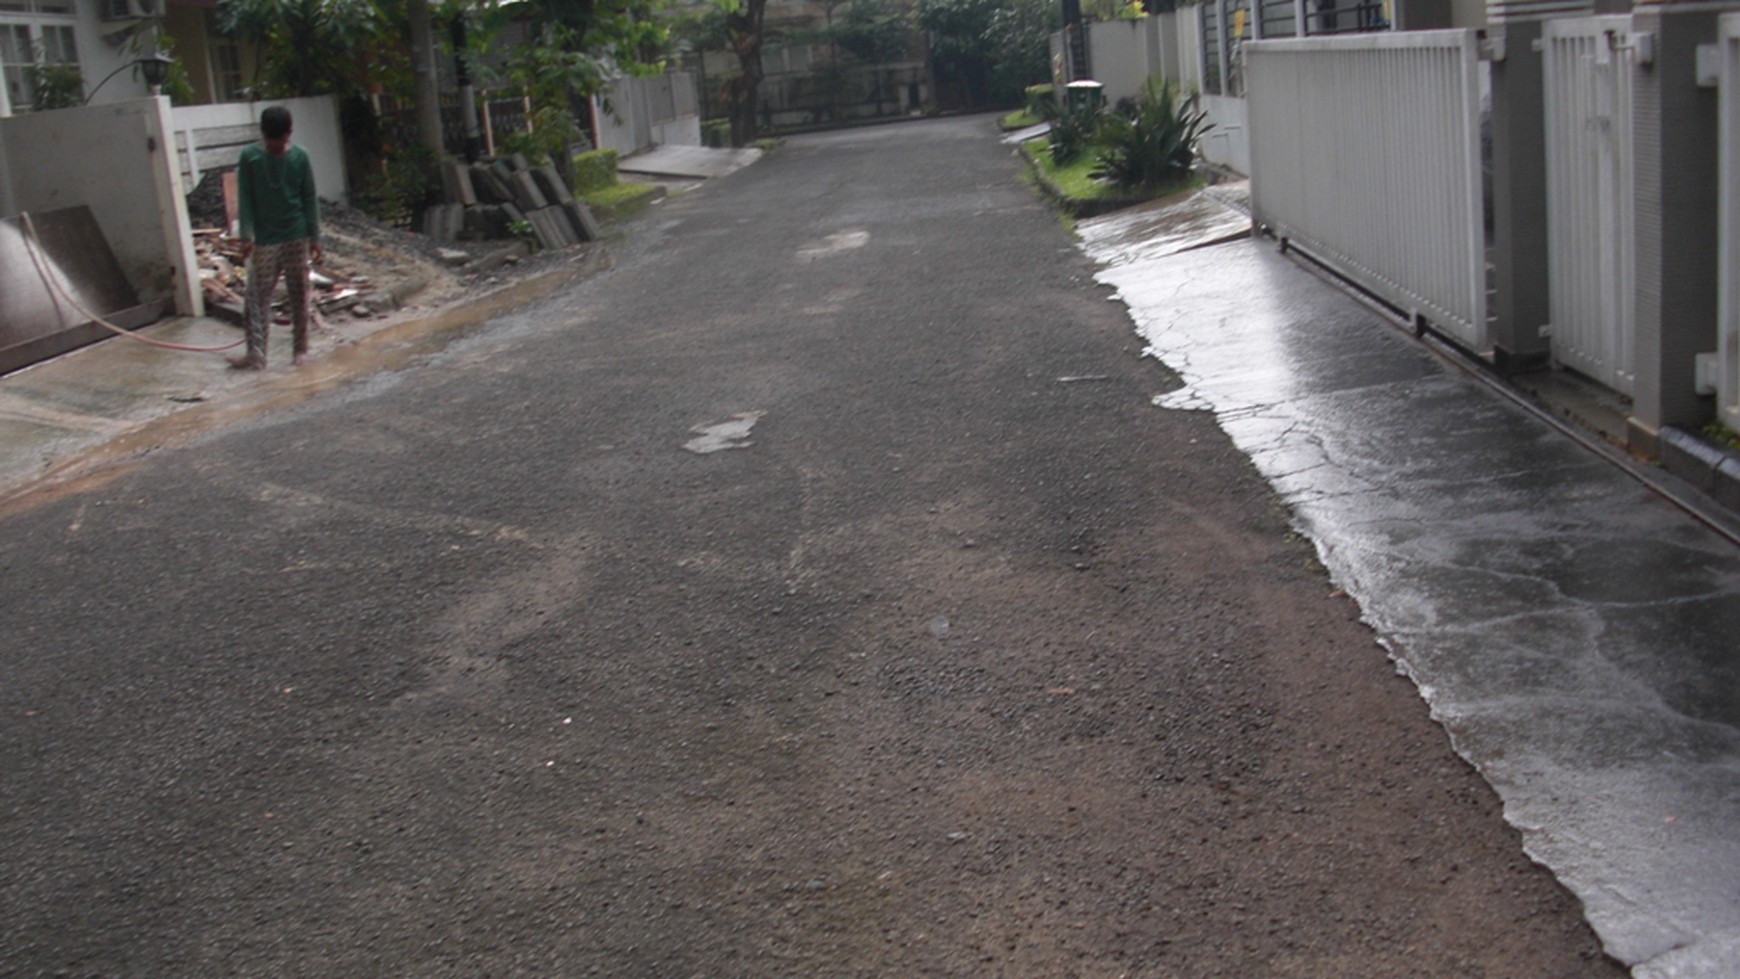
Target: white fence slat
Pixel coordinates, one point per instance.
(1728, 323)
(1590, 197)
(1365, 153)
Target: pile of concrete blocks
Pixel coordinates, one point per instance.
(484, 200)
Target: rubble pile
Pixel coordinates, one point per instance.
(223, 278)
(504, 197)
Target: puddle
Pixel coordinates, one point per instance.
(732, 434)
(839, 241)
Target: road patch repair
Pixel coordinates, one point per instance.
(1572, 630)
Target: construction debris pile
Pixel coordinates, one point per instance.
(223, 278)
(508, 198)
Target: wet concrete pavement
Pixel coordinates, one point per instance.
(1577, 634)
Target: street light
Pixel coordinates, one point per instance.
(154, 66)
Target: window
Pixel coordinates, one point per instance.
(226, 64)
(1211, 53)
(33, 32)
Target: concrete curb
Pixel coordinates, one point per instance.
(1712, 468)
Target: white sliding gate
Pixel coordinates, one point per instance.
(1365, 153)
(1728, 380)
(1590, 197)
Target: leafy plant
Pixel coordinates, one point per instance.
(594, 170)
(871, 31)
(1041, 100)
(56, 86)
(1073, 131)
(1154, 143)
(307, 47)
(408, 184)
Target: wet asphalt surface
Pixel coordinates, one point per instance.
(818, 593)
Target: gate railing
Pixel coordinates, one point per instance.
(1590, 197)
(1728, 324)
(1365, 153)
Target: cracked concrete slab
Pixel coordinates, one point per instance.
(1576, 634)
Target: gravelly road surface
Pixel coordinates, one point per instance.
(958, 657)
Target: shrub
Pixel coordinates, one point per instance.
(594, 169)
(1041, 101)
(1073, 131)
(56, 86)
(408, 183)
(716, 133)
(1153, 144)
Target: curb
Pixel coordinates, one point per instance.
(1712, 468)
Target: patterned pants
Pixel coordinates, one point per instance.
(289, 259)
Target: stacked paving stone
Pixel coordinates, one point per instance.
(485, 199)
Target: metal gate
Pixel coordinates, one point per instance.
(1728, 379)
(1365, 153)
(1590, 197)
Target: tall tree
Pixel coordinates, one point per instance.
(991, 48)
(745, 25)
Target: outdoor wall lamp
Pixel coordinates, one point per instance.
(154, 66)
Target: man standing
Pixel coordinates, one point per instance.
(280, 232)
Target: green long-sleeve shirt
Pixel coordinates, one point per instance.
(277, 196)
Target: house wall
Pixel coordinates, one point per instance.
(103, 52)
(116, 160)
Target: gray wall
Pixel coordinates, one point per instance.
(117, 160)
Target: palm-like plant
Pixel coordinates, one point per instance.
(1154, 143)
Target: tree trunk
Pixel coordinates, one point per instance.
(743, 27)
(427, 93)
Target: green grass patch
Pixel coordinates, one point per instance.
(1722, 434)
(1081, 194)
(617, 193)
(1073, 180)
(1020, 119)
(766, 144)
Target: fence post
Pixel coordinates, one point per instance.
(1676, 167)
(1519, 199)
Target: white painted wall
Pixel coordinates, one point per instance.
(115, 159)
(1228, 144)
(314, 127)
(1189, 48)
(1120, 53)
(638, 122)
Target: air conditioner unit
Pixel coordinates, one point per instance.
(113, 10)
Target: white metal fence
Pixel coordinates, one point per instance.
(1590, 197)
(1728, 380)
(1365, 153)
(648, 112)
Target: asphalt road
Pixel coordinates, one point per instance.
(957, 657)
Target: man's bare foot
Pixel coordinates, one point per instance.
(245, 364)
(298, 359)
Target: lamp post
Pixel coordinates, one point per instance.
(154, 66)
